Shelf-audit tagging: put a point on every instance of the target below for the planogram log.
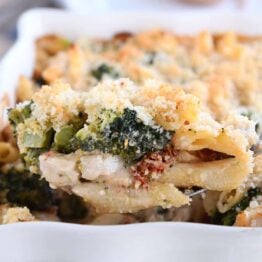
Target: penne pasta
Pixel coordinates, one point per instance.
(221, 175)
(124, 200)
(8, 153)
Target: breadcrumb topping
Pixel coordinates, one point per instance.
(17, 214)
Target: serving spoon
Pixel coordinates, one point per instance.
(195, 193)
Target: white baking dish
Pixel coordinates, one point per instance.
(50, 241)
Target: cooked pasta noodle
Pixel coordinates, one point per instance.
(121, 200)
(228, 199)
(8, 153)
(25, 89)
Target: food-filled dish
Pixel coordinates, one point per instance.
(123, 130)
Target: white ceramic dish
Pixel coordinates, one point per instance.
(49, 241)
(84, 6)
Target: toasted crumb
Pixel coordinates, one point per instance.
(17, 214)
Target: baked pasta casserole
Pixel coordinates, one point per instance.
(125, 130)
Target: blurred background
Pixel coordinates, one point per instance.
(11, 9)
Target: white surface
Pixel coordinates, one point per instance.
(151, 242)
(82, 6)
(184, 242)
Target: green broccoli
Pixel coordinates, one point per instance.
(71, 207)
(25, 189)
(121, 134)
(17, 116)
(21, 188)
(228, 218)
(104, 69)
(44, 140)
(62, 138)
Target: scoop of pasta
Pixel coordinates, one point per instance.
(124, 147)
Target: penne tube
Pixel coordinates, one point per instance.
(218, 175)
(108, 199)
(8, 153)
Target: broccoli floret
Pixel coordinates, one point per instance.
(228, 218)
(36, 144)
(256, 118)
(42, 140)
(17, 116)
(122, 134)
(62, 138)
(31, 158)
(71, 207)
(25, 189)
(150, 57)
(21, 188)
(104, 69)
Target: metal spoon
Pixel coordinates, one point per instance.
(195, 193)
